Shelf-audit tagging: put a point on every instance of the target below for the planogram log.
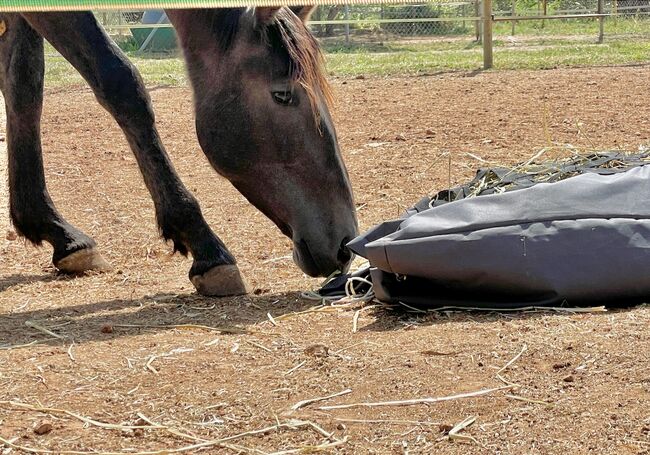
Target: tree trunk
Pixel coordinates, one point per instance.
(331, 15)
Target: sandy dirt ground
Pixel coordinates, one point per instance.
(125, 348)
(4, 190)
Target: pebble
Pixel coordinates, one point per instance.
(317, 350)
(43, 428)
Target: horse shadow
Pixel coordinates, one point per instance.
(110, 319)
(10, 281)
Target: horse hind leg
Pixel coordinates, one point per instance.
(33, 213)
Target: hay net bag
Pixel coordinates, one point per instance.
(577, 241)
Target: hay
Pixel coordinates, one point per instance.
(528, 400)
(86, 420)
(532, 309)
(454, 432)
(529, 172)
(226, 330)
(388, 422)
(303, 403)
(258, 345)
(300, 365)
(201, 444)
(508, 365)
(9, 347)
(45, 330)
(416, 401)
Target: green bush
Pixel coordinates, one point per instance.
(127, 43)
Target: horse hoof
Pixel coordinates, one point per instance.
(82, 261)
(221, 281)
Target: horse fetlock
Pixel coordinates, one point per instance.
(190, 233)
(30, 227)
(221, 281)
(83, 260)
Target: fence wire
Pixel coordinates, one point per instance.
(362, 24)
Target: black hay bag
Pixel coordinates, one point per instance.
(581, 241)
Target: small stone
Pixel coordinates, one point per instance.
(445, 428)
(569, 378)
(341, 427)
(360, 77)
(107, 329)
(43, 428)
(400, 137)
(317, 350)
(260, 291)
(138, 432)
(561, 365)
(11, 235)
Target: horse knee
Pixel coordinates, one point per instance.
(22, 70)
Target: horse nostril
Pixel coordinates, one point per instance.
(344, 255)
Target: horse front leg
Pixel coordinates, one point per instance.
(32, 211)
(120, 90)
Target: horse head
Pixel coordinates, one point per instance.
(262, 118)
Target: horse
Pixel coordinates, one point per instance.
(261, 103)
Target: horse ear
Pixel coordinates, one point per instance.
(265, 15)
(303, 12)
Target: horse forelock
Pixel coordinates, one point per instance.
(307, 65)
(306, 59)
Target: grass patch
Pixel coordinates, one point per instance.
(535, 50)
(633, 25)
(539, 54)
(155, 71)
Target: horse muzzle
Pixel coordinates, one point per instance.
(316, 260)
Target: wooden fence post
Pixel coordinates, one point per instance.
(601, 22)
(477, 24)
(347, 25)
(487, 34)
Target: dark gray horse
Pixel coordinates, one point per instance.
(262, 119)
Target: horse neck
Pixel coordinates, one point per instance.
(200, 38)
(194, 30)
(204, 27)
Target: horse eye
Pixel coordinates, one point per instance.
(284, 98)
